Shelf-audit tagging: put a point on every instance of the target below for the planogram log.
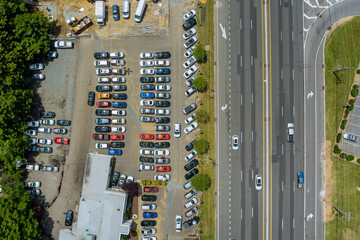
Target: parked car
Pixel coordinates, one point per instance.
(190, 81)
(117, 62)
(163, 71)
(190, 91)
(150, 214)
(101, 55)
(122, 180)
(100, 112)
(163, 95)
(177, 130)
(163, 169)
(189, 24)
(118, 80)
(104, 137)
(190, 71)
(147, 95)
(144, 167)
(68, 218)
(114, 152)
(103, 88)
(190, 42)
(103, 72)
(101, 63)
(33, 124)
(151, 189)
(163, 87)
(162, 145)
(58, 140)
(35, 192)
(44, 130)
(146, 159)
(162, 128)
(63, 122)
(190, 194)
(191, 127)
(148, 206)
(147, 71)
(118, 129)
(189, 108)
(102, 145)
(189, 33)
(50, 169)
(195, 220)
(146, 152)
(162, 136)
(47, 114)
(193, 163)
(118, 71)
(162, 112)
(191, 174)
(190, 203)
(191, 155)
(119, 96)
(146, 119)
(189, 52)
(115, 55)
(188, 63)
(147, 87)
(165, 79)
(30, 132)
(91, 98)
(146, 55)
(162, 63)
(102, 129)
(60, 130)
(115, 9)
(150, 198)
(146, 136)
(162, 55)
(147, 63)
(147, 79)
(36, 67)
(103, 104)
(178, 222)
(146, 102)
(146, 144)
(189, 15)
(117, 145)
(148, 223)
(32, 184)
(147, 111)
(148, 231)
(104, 95)
(162, 152)
(162, 160)
(115, 179)
(164, 177)
(191, 212)
(350, 137)
(116, 137)
(52, 54)
(47, 122)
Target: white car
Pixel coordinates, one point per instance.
(190, 119)
(191, 127)
(144, 167)
(190, 42)
(190, 91)
(148, 238)
(101, 145)
(148, 206)
(189, 15)
(47, 122)
(146, 152)
(32, 184)
(187, 185)
(103, 80)
(235, 142)
(117, 55)
(191, 155)
(147, 63)
(162, 112)
(190, 72)
(30, 132)
(162, 63)
(117, 62)
(177, 130)
(189, 33)
(258, 182)
(189, 52)
(44, 130)
(147, 71)
(148, 231)
(190, 81)
(103, 71)
(118, 80)
(101, 63)
(118, 121)
(163, 87)
(146, 102)
(34, 167)
(118, 129)
(189, 62)
(178, 221)
(44, 141)
(163, 178)
(162, 152)
(191, 203)
(118, 71)
(130, 179)
(147, 55)
(118, 112)
(33, 124)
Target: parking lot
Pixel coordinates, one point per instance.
(353, 128)
(65, 91)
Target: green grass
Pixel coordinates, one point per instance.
(341, 51)
(206, 37)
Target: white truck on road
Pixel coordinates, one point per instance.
(63, 44)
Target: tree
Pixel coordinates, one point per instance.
(131, 188)
(202, 116)
(200, 53)
(200, 83)
(201, 145)
(201, 182)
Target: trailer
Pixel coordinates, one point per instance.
(83, 24)
(100, 12)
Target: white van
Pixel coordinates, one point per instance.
(140, 11)
(126, 9)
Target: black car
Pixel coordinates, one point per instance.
(165, 79)
(162, 55)
(121, 96)
(146, 159)
(146, 144)
(115, 178)
(100, 112)
(162, 103)
(101, 55)
(162, 145)
(68, 218)
(119, 88)
(49, 114)
(150, 198)
(103, 88)
(190, 146)
(44, 149)
(162, 120)
(193, 163)
(147, 79)
(162, 128)
(147, 119)
(104, 137)
(117, 144)
(102, 129)
(147, 87)
(91, 98)
(147, 223)
(63, 122)
(189, 108)
(189, 24)
(191, 222)
(192, 173)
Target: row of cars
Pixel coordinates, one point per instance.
(105, 59)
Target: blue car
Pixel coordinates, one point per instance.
(162, 71)
(147, 95)
(115, 152)
(119, 104)
(116, 13)
(150, 215)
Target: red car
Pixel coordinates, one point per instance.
(97, 136)
(146, 136)
(162, 136)
(116, 137)
(163, 169)
(61, 140)
(103, 104)
(151, 189)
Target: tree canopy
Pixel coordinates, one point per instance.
(201, 182)
(200, 53)
(202, 116)
(201, 145)
(200, 83)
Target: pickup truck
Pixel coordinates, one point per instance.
(290, 131)
(63, 44)
(300, 179)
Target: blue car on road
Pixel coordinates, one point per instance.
(150, 215)
(119, 104)
(115, 152)
(162, 71)
(147, 95)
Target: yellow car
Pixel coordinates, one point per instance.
(104, 95)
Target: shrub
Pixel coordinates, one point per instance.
(200, 83)
(356, 86)
(347, 111)
(343, 155)
(201, 146)
(354, 92)
(337, 150)
(131, 188)
(148, 182)
(338, 137)
(201, 182)
(351, 107)
(358, 160)
(343, 124)
(163, 183)
(351, 101)
(350, 157)
(143, 182)
(346, 116)
(358, 71)
(202, 116)
(200, 53)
